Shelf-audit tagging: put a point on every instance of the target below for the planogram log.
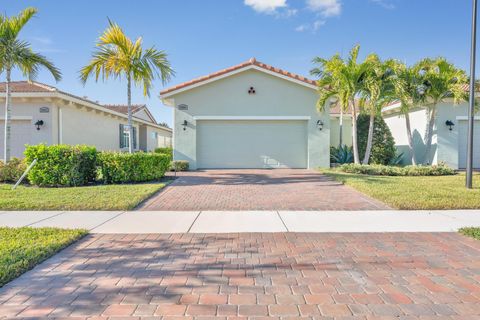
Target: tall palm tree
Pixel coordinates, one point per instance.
(16, 53)
(443, 81)
(342, 80)
(411, 93)
(118, 56)
(377, 90)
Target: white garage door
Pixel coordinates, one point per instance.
(251, 144)
(21, 133)
(462, 144)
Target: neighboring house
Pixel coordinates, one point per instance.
(44, 114)
(449, 143)
(251, 115)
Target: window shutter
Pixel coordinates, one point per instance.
(134, 138)
(121, 137)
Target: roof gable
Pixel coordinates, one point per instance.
(250, 64)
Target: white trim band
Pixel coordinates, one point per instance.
(18, 118)
(466, 117)
(252, 118)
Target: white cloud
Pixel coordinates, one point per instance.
(326, 8)
(384, 3)
(266, 6)
(310, 27)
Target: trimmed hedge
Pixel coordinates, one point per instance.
(383, 144)
(61, 165)
(180, 165)
(12, 171)
(167, 151)
(116, 167)
(381, 170)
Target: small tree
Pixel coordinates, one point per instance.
(443, 81)
(16, 53)
(118, 56)
(383, 145)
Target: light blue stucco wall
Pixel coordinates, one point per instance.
(229, 97)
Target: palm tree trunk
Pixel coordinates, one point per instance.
(356, 157)
(341, 128)
(410, 139)
(130, 122)
(429, 134)
(8, 114)
(368, 150)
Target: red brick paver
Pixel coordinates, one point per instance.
(309, 276)
(257, 189)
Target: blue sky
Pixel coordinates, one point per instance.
(201, 36)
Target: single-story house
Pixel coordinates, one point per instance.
(449, 143)
(251, 115)
(44, 114)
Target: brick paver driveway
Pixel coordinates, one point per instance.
(341, 276)
(279, 189)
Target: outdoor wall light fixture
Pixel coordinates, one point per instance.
(251, 90)
(320, 124)
(38, 124)
(184, 124)
(449, 124)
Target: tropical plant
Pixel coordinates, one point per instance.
(341, 80)
(397, 160)
(342, 154)
(16, 53)
(410, 90)
(377, 90)
(443, 81)
(118, 56)
(382, 144)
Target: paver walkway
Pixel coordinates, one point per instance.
(279, 275)
(257, 189)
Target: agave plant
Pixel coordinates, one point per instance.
(342, 154)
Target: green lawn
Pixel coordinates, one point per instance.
(23, 248)
(98, 197)
(471, 232)
(415, 193)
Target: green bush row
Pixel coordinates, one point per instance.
(179, 165)
(382, 170)
(13, 170)
(167, 151)
(66, 165)
(116, 167)
(62, 165)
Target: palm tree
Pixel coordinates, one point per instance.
(16, 53)
(341, 80)
(410, 90)
(377, 90)
(118, 56)
(443, 81)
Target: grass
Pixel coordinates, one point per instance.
(98, 197)
(415, 193)
(471, 232)
(23, 248)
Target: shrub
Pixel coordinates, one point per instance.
(166, 151)
(180, 165)
(383, 147)
(117, 167)
(61, 165)
(13, 170)
(381, 170)
(342, 154)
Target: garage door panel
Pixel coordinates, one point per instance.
(251, 144)
(462, 144)
(21, 134)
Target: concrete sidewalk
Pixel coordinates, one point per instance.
(246, 221)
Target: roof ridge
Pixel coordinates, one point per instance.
(43, 85)
(250, 62)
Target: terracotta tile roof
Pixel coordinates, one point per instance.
(123, 108)
(27, 86)
(251, 62)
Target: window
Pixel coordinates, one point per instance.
(154, 135)
(124, 141)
